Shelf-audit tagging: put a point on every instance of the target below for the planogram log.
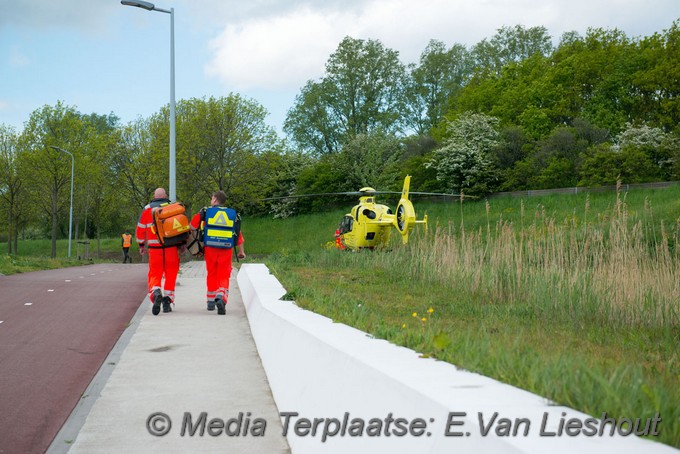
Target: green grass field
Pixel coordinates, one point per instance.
(573, 297)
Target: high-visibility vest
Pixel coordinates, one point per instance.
(127, 239)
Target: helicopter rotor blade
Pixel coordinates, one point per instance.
(300, 196)
(442, 194)
(364, 193)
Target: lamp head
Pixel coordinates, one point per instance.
(139, 4)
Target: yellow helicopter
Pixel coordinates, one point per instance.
(368, 225)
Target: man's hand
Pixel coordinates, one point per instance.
(182, 248)
(241, 255)
(142, 250)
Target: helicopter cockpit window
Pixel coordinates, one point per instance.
(346, 224)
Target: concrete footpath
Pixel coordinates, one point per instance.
(185, 381)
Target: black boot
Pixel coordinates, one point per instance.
(167, 304)
(157, 300)
(220, 304)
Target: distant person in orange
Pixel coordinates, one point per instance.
(125, 241)
(163, 261)
(221, 234)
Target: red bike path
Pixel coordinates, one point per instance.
(56, 329)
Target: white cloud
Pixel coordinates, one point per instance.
(279, 52)
(287, 48)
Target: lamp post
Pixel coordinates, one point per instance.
(70, 215)
(151, 7)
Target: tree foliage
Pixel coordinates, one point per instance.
(361, 91)
(510, 45)
(47, 127)
(227, 143)
(464, 162)
(441, 73)
(12, 186)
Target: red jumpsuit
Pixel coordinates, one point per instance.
(217, 264)
(163, 262)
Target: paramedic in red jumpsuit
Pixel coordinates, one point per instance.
(163, 262)
(218, 262)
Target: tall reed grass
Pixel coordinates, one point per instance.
(565, 270)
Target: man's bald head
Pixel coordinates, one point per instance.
(160, 194)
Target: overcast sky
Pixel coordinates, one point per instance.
(100, 56)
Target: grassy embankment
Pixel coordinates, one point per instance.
(575, 298)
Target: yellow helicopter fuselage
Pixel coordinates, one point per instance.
(369, 224)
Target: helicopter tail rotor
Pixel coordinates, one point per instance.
(405, 218)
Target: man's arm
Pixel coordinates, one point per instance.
(142, 227)
(239, 245)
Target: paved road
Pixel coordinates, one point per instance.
(56, 329)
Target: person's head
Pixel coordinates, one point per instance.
(218, 198)
(160, 193)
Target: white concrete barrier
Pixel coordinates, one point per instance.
(340, 391)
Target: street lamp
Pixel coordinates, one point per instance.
(151, 7)
(70, 215)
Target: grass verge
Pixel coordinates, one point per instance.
(580, 304)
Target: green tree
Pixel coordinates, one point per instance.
(513, 147)
(50, 126)
(311, 123)
(287, 171)
(464, 162)
(12, 185)
(361, 91)
(224, 143)
(653, 142)
(557, 157)
(322, 177)
(510, 44)
(658, 93)
(369, 160)
(605, 165)
(440, 74)
(100, 204)
(137, 166)
(595, 76)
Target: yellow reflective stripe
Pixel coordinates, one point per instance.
(219, 233)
